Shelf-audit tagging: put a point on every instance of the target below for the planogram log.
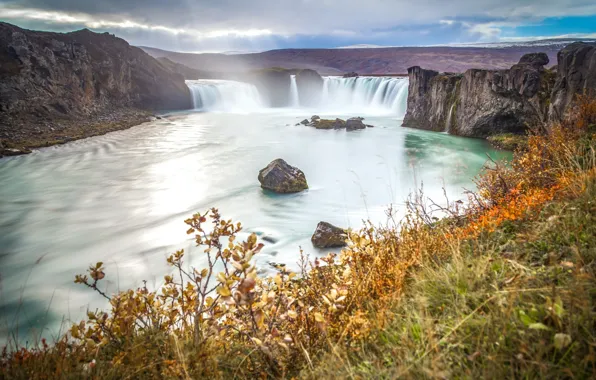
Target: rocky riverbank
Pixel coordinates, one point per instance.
(23, 136)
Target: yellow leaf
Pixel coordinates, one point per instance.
(224, 291)
(319, 317)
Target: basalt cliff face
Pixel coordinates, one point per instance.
(481, 103)
(576, 71)
(50, 82)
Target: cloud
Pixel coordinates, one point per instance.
(233, 24)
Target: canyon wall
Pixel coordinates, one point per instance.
(481, 103)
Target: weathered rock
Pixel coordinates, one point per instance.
(281, 177)
(329, 124)
(329, 236)
(351, 74)
(48, 77)
(310, 87)
(535, 59)
(481, 102)
(314, 118)
(576, 73)
(355, 123)
(305, 122)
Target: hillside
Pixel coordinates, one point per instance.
(55, 87)
(391, 60)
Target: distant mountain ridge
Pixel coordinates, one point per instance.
(367, 59)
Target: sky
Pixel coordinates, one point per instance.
(257, 25)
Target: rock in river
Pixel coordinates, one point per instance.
(355, 123)
(281, 177)
(329, 236)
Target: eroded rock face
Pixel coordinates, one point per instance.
(281, 177)
(576, 73)
(46, 77)
(329, 236)
(480, 103)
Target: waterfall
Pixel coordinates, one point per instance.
(360, 95)
(224, 95)
(294, 97)
(449, 115)
(366, 94)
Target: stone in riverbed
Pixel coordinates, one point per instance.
(329, 236)
(281, 177)
(355, 123)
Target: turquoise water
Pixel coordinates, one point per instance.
(122, 198)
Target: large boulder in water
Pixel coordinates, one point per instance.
(281, 177)
(329, 236)
(355, 123)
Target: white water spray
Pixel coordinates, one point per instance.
(224, 95)
(294, 97)
(361, 95)
(384, 95)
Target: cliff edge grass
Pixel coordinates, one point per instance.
(503, 287)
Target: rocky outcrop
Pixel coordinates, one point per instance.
(281, 177)
(274, 85)
(329, 236)
(431, 99)
(576, 73)
(310, 87)
(482, 103)
(65, 81)
(351, 74)
(352, 124)
(355, 123)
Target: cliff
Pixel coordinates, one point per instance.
(576, 73)
(481, 103)
(53, 83)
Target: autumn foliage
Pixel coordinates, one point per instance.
(225, 320)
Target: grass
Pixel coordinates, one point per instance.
(508, 141)
(519, 302)
(504, 287)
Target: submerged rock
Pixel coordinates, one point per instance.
(281, 177)
(329, 236)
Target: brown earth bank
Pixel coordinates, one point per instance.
(483, 103)
(55, 87)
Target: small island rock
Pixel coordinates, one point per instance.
(355, 123)
(329, 236)
(281, 177)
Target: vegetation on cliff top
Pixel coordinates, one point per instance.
(503, 287)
